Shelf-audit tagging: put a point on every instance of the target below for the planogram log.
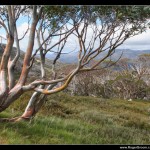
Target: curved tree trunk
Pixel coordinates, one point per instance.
(8, 91)
(35, 103)
(10, 97)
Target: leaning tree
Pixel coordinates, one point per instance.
(94, 30)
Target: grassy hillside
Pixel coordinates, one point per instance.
(79, 120)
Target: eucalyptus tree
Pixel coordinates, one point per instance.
(10, 88)
(93, 29)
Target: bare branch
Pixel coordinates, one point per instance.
(59, 88)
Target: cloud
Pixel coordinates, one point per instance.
(22, 28)
(138, 42)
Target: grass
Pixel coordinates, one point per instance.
(68, 119)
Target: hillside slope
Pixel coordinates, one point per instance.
(79, 120)
(35, 70)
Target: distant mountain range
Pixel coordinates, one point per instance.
(72, 57)
(127, 53)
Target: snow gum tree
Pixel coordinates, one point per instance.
(95, 30)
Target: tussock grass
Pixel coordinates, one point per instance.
(68, 119)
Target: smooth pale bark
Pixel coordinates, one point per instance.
(9, 93)
(35, 103)
(30, 109)
(4, 62)
(11, 74)
(12, 63)
(3, 70)
(26, 62)
(4, 89)
(10, 97)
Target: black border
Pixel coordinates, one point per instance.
(75, 2)
(86, 146)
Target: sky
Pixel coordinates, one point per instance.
(138, 42)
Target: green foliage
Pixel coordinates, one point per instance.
(59, 15)
(126, 86)
(135, 15)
